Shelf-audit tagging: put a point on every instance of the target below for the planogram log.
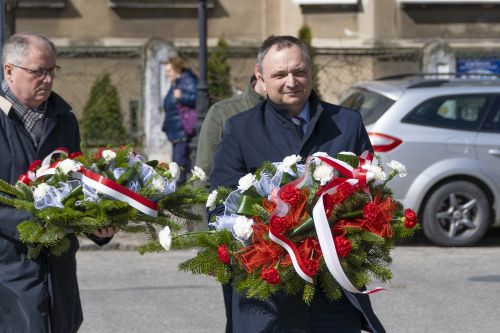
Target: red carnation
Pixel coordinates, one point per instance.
(370, 212)
(344, 191)
(279, 224)
(291, 195)
(34, 165)
(410, 218)
(75, 154)
(270, 275)
(311, 265)
(343, 246)
(223, 254)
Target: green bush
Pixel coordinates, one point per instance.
(219, 72)
(102, 120)
(305, 35)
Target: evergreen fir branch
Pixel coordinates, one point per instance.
(60, 247)
(330, 287)
(205, 262)
(34, 251)
(9, 189)
(153, 246)
(308, 294)
(27, 194)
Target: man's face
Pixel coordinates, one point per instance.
(286, 78)
(29, 89)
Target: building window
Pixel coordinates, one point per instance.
(156, 4)
(41, 4)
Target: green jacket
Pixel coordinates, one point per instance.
(213, 125)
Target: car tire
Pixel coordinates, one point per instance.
(456, 214)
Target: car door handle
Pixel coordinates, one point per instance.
(494, 152)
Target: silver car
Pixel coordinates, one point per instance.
(446, 131)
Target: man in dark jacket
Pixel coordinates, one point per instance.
(41, 295)
(291, 121)
(180, 113)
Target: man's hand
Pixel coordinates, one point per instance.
(177, 93)
(105, 232)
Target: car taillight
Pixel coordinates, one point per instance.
(383, 142)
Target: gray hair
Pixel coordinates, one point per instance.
(281, 42)
(16, 47)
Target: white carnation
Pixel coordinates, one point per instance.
(211, 200)
(246, 182)
(165, 238)
(40, 191)
(243, 227)
(158, 184)
(108, 155)
(376, 172)
(69, 165)
(289, 161)
(323, 173)
(198, 173)
(174, 169)
(398, 167)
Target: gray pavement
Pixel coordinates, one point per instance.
(433, 290)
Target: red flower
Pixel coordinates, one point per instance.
(279, 224)
(344, 191)
(270, 275)
(223, 254)
(291, 195)
(75, 154)
(410, 218)
(34, 165)
(370, 212)
(312, 266)
(343, 246)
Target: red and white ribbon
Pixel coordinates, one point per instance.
(323, 230)
(47, 168)
(119, 192)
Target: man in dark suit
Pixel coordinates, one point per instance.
(40, 295)
(291, 121)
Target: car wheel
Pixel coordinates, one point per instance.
(456, 214)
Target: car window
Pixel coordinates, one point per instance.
(456, 112)
(370, 105)
(492, 122)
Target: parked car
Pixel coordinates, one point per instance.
(446, 131)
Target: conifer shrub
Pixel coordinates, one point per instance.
(305, 35)
(102, 121)
(219, 72)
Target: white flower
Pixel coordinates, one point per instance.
(211, 200)
(246, 182)
(347, 153)
(289, 161)
(108, 155)
(198, 173)
(158, 184)
(40, 191)
(377, 172)
(165, 238)
(243, 227)
(174, 169)
(323, 173)
(69, 165)
(398, 167)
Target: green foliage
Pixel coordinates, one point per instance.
(219, 72)
(305, 35)
(102, 119)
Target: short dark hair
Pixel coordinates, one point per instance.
(281, 42)
(177, 63)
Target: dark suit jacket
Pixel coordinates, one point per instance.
(266, 132)
(38, 295)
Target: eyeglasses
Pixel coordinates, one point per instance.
(40, 73)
